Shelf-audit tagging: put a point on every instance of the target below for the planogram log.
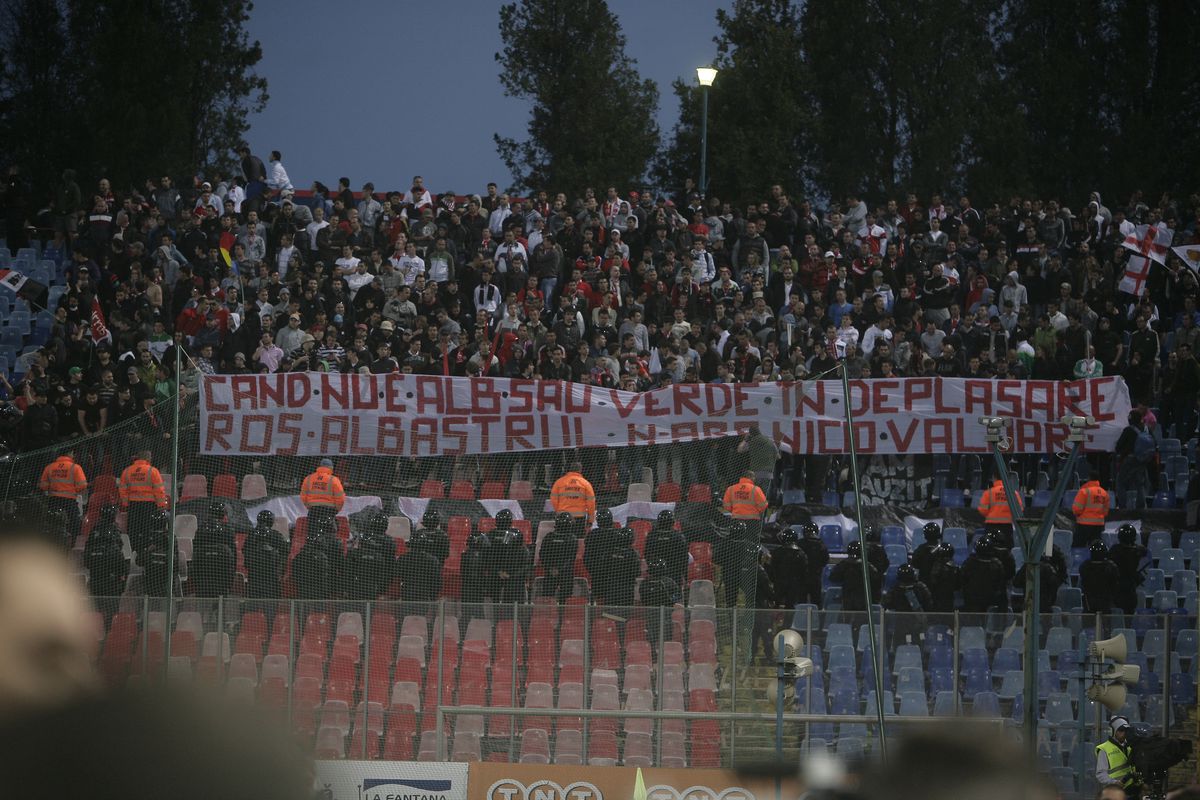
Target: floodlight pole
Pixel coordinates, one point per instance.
(875, 653)
(1032, 547)
(780, 676)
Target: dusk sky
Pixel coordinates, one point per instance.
(381, 90)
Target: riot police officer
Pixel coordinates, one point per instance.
(922, 555)
(622, 570)
(265, 553)
(1003, 554)
(666, 543)
(597, 547)
(317, 568)
(765, 600)
(557, 558)
(474, 571)
(789, 570)
(214, 557)
(945, 578)
(1049, 581)
(983, 583)
(371, 563)
(909, 593)
(659, 590)
(437, 541)
(735, 553)
(1128, 554)
(1099, 578)
(509, 567)
(107, 566)
(848, 574)
(874, 550)
(155, 558)
(420, 569)
(59, 529)
(817, 555)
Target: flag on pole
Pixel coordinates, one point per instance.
(1150, 241)
(100, 333)
(1137, 271)
(1190, 253)
(227, 242)
(639, 786)
(22, 286)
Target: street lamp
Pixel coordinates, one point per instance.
(706, 76)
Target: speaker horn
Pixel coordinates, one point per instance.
(1111, 697)
(1114, 648)
(1123, 673)
(789, 644)
(789, 692)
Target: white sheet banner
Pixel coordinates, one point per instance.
(311, 414)
(414, 507)
(391, 780)
(291, 509)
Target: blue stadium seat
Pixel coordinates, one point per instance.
(1162, 500)
(953, 498)
(974, 658)
(1012, 684)
(1154, 580)
(831, 535)
(985, 704)
(1187, 642)
(1070, 598)
(5, 305)
(941, 679)
(971, 637)
(936, 636)
(1153, 644)
(892, 534)
(943, 704)
(1166, 600)
(908, 656)
(956, 538)
(1059, 710)
(914, 704)
(844, 701)
(842, 677)
(838, 633)
(1042, 498)
(1064, 779)
(889, 703)
(897, 554)
(1183, 689)
(1058, 640)
(1171, 559)
(1006, 659)
(830, 499)
(977, 680)
(1049, 682)
(11, 338)
(849, 748)
(1189, 543)
(910, 679)
(841, 656)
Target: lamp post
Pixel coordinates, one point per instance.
(706, 76)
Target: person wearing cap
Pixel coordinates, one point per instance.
(323, 488)
(1113, 764)
(290, 337)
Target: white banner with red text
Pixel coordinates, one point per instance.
(331, 414)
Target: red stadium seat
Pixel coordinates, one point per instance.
(194, 487)
(526, 529)
(641, 529)
(433, 489)
(699, 493)
(520, 490)
(493, 490)
(667, 493)
(462, 490)
(225, 486)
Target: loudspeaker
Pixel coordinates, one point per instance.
(1111, 697)
(789, 693)
(1114, 648)
(789, 644)
(1125, 673)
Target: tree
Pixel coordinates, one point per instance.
(759, 108)
(592, 120)
(127, 89)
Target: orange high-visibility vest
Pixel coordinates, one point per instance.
(573, 494)
(744, 500)
(142, 483)
(63, 478)
(993, 506)
(322, 488)
(1091, 504)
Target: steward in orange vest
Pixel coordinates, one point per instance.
(322, 488)
(64, 483)
(573, 494)
(997, 516)
(1090, 509)
(745, 501)
(142, 492)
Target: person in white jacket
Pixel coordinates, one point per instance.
(277, 177)
(1014, 291)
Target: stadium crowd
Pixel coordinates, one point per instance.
(633, 290)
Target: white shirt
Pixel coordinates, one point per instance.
(277, 177)
(872, 337)
(505, 255)
(703, 268)
(283, 258)
(439, 269)
(425, 199)
(410, 267)
(312, 229)
(358, 280)
(348, 265)
(236, 195)
(496, 220)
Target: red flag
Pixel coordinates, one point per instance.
(228, 240)
(1150, 241)
(100, 333)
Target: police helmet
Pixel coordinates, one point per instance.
(657, 566)
(1127, 534)
(984, 544)
(906, 575)
(504, 519)
(562, 522)
(870, 534)
(1098, 551)
(789, 538)
(265, 519)
(933, 532)
(604, 518)
(160, 522)
(216, 511)
(943, 552)
(810, 530)
(738, 530)
(431, 519)
(666, 518)
(854, 549)
(108, 515)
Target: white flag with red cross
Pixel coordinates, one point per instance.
(1151, 241)
(1137, 271)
